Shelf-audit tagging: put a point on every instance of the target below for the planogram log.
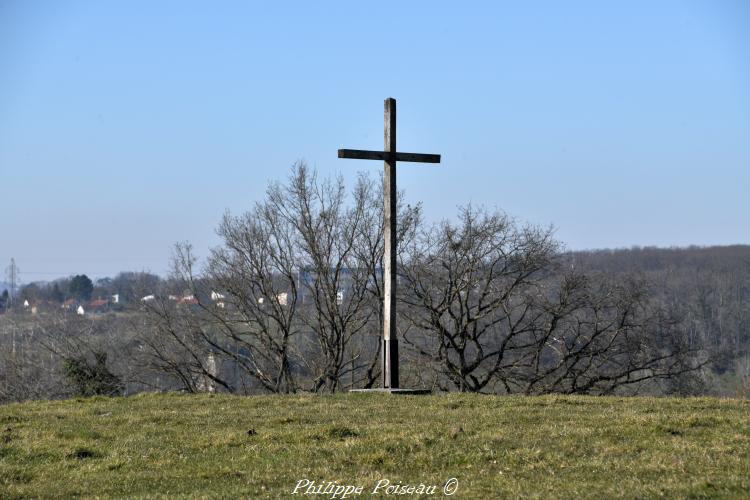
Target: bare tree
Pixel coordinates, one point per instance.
(596, 335)
(256, 307)
(493, 309)
(292, 298)
(178, 338)
(465, 286)
(333, 279)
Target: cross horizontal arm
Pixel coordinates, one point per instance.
(361, 154)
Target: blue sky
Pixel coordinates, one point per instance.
(128, 126)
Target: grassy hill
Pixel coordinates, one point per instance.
(229, 446)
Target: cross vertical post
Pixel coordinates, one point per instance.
(390, 339)
(389, 342)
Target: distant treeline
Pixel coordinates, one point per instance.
(706, 288)
(81, 288)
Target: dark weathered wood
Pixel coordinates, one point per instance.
(363, 154)
(389, 155)
(418, 157)
(390, 341)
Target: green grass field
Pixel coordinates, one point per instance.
(164, 445)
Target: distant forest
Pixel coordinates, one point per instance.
(706, 288)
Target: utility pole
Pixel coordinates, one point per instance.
(12, 275)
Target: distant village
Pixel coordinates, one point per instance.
(113, 304)
(96, 306)
(81, 296)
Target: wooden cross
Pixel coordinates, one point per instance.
(390, 157)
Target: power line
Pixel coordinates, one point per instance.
(13, 273)
(62, 273)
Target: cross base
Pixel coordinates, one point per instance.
(403, 392)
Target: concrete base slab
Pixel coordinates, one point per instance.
(405, 392)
